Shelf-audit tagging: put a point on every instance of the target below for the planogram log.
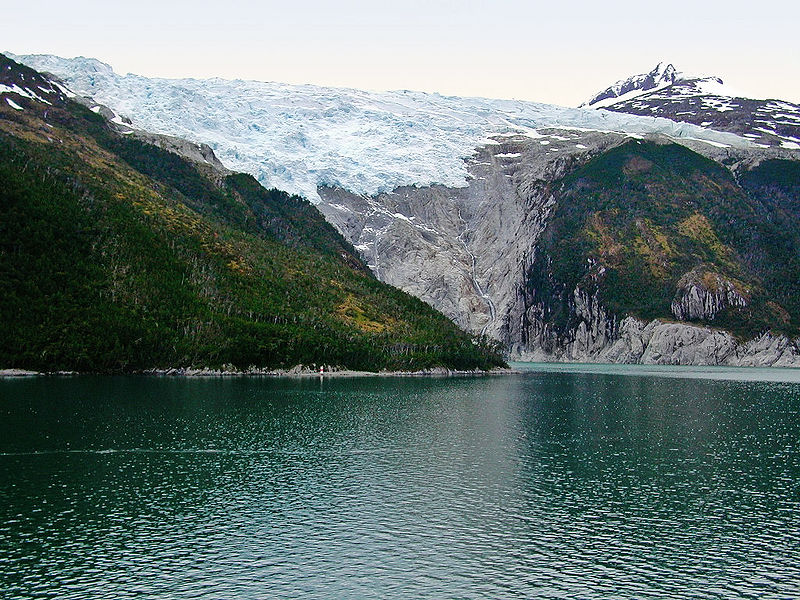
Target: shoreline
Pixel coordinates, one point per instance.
(298, 371)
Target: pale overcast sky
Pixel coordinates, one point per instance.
(560, 51)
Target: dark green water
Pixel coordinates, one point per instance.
(620, 483)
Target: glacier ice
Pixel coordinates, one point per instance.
(299, 137)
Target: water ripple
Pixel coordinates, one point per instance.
(556, 485)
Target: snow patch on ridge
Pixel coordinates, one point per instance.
(299, 137)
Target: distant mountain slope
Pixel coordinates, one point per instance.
(117, 255)
(704, 101)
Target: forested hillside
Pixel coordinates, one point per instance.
(116, 255)
(657, 231)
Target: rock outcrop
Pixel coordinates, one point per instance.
(702, 294)
(599, 338)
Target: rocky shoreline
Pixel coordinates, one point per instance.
(297, 371)
(665, 343)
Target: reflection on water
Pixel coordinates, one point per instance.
(545, 484)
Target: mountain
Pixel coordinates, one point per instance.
(704, 101)
(660, 77)
(119, 254)
(564, 234)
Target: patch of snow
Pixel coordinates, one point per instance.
(581, 146)
(709, 142)
(66, 91)
(24, 92)
(534, 134)
(718, 104)
(509, 155)
(790, 145)
(15, 89)
(507, 134)
(712, 86)
(13, 104)
(780, 105)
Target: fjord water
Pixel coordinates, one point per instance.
(557, 483)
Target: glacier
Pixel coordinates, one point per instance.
(300, 137)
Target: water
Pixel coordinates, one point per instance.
(579, 482)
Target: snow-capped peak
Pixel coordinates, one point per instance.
(662, 75)
(704, 100)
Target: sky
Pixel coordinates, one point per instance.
(561, 51)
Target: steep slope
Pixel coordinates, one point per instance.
(117, 255)
(705, 101)
(655, 231)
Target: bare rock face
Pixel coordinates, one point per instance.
(465, 250)
(769, 351)
(468, 252)
(679, 344)
(702, 294)
(599, 339)
(201, 154)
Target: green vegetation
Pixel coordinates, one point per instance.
(116, 256)
(634, 220)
